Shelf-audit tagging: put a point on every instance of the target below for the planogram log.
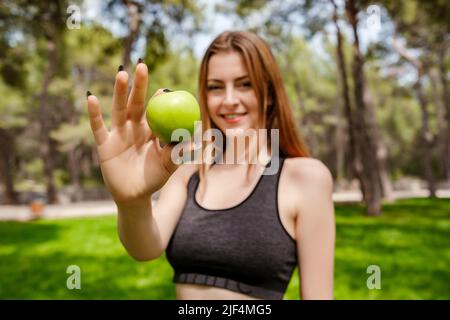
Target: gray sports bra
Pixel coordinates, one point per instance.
(244, 248)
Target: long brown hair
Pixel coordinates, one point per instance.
(267, 83)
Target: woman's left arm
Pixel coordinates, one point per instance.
(315, 231)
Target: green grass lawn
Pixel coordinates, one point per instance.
(409, 242)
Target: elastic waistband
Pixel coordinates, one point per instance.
(208, 280)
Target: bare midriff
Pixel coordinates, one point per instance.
(187, 291)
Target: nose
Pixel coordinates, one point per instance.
(231, 99)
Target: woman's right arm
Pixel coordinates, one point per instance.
(145, 230)
(134, 166)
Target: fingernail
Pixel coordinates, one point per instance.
(88, 93)
(140, 60)
(167, 90)
(120, 68)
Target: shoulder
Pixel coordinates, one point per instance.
(308, 173)
(313, 185)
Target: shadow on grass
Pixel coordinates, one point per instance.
(29, 233)
(417, 207)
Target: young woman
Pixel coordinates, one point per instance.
(230, 231)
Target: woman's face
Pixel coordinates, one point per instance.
(232, 102)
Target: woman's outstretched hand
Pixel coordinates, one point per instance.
(132, 162)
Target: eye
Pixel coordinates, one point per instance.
(246, 84)
(212, 87)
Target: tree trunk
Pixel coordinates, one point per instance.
(340, 143)
(446, 101)
(298, 90)
(134, 21)
(381, 149)
(370, 183)
(355, 160)
(441, 122)
(74, 156)
(7, 166)
(47, 148)
(426, 137)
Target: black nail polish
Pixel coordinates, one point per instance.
(88, 93)
(167, 90)
(120, 68)
(140, 60)
(162, 144)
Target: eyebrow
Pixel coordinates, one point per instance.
(237, 79)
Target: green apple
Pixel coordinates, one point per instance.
(170, 111)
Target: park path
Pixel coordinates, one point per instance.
(102, 208)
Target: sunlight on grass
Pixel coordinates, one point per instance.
(409, 242)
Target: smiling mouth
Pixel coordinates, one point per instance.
(233, 118)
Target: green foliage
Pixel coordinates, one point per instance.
(178, 72)
(88, 59)
(155, 23)
(34, 170)
(399, 117)
(12, 61)
(94, 55)
(61, 178)
(11, 107)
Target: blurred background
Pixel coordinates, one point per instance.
(368, 83)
